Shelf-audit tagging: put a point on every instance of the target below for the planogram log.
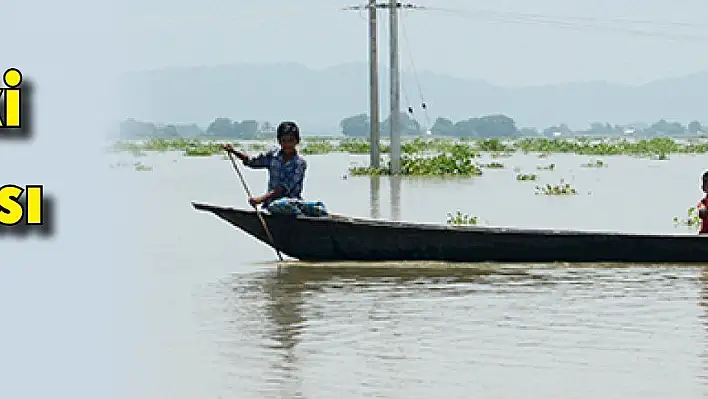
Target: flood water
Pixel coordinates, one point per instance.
(208, 315)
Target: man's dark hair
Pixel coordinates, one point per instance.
(705, 179)
(288, 128)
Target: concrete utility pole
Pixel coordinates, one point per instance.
(374, 153)
(395, 99)
(395, 96)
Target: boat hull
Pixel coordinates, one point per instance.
(338, 238)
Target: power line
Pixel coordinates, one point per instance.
(622, 25)
(667, 29)
(409, 49)
(619, 20)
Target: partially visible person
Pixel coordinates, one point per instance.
(286, 174)
(703, 206)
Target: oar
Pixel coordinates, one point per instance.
(258, 213)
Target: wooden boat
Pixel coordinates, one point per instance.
(341, 238)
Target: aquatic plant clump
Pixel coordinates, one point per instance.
(585, 146)
(594, 164)
(204, 150)
(494, 145)
(354, 146)
(525, 177)
(440, 165)
(493, 165)
(312, 147)
(501, 154)
(458, 162)
(559, 189)
(369, 171)
(691, 220)
(658, 148)
(461, 219)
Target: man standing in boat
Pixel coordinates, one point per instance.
(703, 206)
(286, 170)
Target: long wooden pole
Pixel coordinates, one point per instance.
(258, 212)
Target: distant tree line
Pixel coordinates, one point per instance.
(219, 128)
(498, 125)
(488, 126)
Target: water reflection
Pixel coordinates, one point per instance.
(395, 182)
(703, 303)
(284, 309)
(376, 330)
(375, 196)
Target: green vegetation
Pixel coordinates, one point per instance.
(594, 164)
(203, 150)
(190, 147)
(456, 162)
(493, 165)
(440, 165)
(501, 154)
(560, 189)
(461, 219)
(442, 156)
(494, 145)
(317, 147)
(692, 219)
(523, 177)
(658, 148)
(586, 146)
(354, 146)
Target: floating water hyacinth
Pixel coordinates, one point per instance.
(692, 219)
(560, 189)
(524, 177)
(461, 219)
(657, 148)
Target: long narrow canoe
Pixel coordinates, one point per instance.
(340, 238)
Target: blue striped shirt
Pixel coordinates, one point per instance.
(287, 174)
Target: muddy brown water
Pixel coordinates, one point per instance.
(208, 315)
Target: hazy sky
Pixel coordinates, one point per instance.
(518, 43)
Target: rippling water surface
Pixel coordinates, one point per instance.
(209, 315)
(412, 333)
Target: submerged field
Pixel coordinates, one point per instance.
(658, 147)
(530, 167)
(207, 302)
